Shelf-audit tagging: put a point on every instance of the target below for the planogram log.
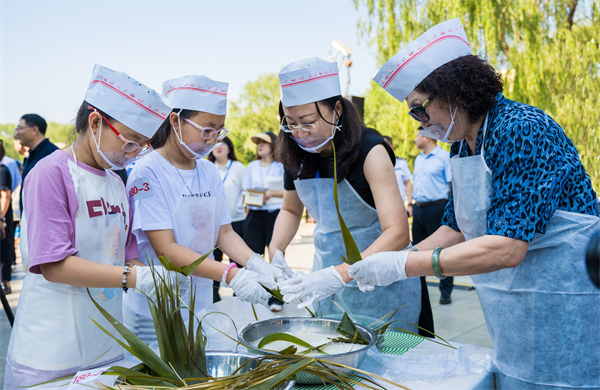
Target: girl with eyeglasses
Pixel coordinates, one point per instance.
(180, 202)
(314, 114)
(76, 226)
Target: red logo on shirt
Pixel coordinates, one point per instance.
(97, 208)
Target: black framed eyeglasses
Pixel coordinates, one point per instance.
(418, 113)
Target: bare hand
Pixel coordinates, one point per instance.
(268, 195)
(409, 210)
(2, 230)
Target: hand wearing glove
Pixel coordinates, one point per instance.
(274, 271)
(379, 269)
(312, 287)
(247, 286)
(144, 282)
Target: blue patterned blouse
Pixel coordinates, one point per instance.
(535, 171)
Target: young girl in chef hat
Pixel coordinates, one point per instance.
(179, 198)
(77, 235)
(313, 113)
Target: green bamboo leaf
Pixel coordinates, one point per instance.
(283, 375)
(189, 269)
(275, 292)
(283, 337)
(291, 350)
(168, 264)
(254, 310)
(352, 252)
(350, 331)
(135, 346)
(138, 378)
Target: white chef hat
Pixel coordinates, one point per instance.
(197, 93)
(127, 100)
(411, 65)
(309, 80)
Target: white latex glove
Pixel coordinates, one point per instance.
(272, 271)
(144, 282)
(312, 287)
(247, 286)
(279, 262)
(379, 269)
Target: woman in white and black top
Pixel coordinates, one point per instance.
(232, 175)
(265, 174)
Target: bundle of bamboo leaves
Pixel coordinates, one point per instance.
(182, 359)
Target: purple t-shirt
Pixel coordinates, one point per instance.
(50, 204)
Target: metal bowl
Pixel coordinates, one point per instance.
(257, 330)
(220, 364)
(365, 321)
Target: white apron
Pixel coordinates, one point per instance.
(196, 224)
(53, 335)
(544, 315)
(363, 222)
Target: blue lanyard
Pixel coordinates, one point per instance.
(228, 168)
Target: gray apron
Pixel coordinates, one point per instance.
(363, 222)
(544, 315)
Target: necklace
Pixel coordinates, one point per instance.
(182, 179)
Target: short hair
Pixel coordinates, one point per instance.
(35, 120)
(2, 150)
(467, 81)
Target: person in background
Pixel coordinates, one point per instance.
(7, 243)
(404, 176)
(266, 174)
(432, 178)
(15, 171)
(31, 133)
(232, 174)
(23, 151)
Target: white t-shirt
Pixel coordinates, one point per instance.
(268, 178)
(402, 174)
(159, 189)
(232, 175)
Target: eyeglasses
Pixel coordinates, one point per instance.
(418, 113)
(209, 132)
(304, 127)
(129, 146)
(19, 129)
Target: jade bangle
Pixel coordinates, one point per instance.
(435, 263)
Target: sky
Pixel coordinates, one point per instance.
(48, 48)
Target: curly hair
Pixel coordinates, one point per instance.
(467, 81)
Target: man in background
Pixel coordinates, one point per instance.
(432, 180)
(31, 132)
(402, 174)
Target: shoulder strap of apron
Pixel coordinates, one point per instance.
(485, 123)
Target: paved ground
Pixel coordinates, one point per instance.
(462, 321)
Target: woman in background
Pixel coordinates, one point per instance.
(232, 174)
(264, 174)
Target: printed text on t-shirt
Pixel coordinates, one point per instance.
(97, 208)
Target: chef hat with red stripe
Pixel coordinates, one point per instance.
(127, 100)
(309, 80)
(197, 93)
(411, 65)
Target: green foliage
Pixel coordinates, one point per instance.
(547, 51)
(256, 111)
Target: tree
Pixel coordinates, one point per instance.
(255, 111)
(547, 50)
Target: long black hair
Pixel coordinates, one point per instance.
(231, 155)
(162, 134)
(347, 143)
